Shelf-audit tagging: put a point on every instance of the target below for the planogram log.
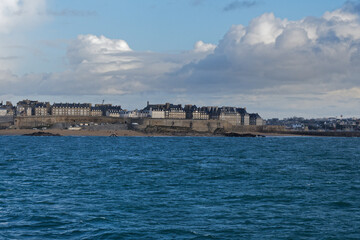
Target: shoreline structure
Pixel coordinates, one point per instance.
(110, 126)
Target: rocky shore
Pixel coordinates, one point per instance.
(167, 131)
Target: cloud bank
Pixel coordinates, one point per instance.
(274, 65)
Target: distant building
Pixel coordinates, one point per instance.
(3, 111)
(166, 110)
(25, 108)
(107, 107)
(233, 115)
(193, 112)
(255, 119)
(245, 117)
(113, 113)
(96, 112)
(133, 114)
(42, 109)
(156, 113)
(71, 109)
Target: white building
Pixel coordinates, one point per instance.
(156, 113)
(3, 111)
(71, 109)
(133, 114)
(113, 113)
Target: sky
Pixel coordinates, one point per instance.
(279, 58)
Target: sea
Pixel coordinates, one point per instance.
(179, 188)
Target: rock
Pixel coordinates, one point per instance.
(232, 134)
(40, 134)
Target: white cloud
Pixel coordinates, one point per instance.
(264, 29)
(200, 46)
(16, 13)
(272, 52)
(16, 16)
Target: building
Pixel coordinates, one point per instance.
(3, 111)
(193, 112)
(113, 113)
(255, 119)
(166, 110)
(200, 115)
(230, 115)
(71, 109)
(133, 114)
(156, 113)
(175, 113)
(245, 117)
(42, 109)
(26, 108)
(96, 112)
(107, 107)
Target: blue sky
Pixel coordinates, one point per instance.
(166, 25)
(276, 57)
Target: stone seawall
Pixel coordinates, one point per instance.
(205, 126)
(48, 121)
(143, 124)
(6, 121)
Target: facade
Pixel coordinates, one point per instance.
(42, 109)
(245, 117)
(71, 109)
(113, 113)
(166, 110)
(107, 107)
(96, 112)
(200, 115)
(3, 111)
(255, 119)
(133, 114)
(175, 114)
(156, 113)
(26, 108)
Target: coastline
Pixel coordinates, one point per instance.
(137, 133)
(121, 133)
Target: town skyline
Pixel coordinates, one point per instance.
(279, 58)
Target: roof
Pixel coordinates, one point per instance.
(42, 104)
(72, 105)
(166, 106)
(254, 115)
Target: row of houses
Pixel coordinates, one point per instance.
(233, 115)
(36, 108)
(6, 109)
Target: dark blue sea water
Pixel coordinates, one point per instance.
(179, 188)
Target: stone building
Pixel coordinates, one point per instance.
(166, 110)
(25, 108)
(245, 117)
(3, 111)
(230, 115)
(133, 114)
(193, 112)
(96, 112)
(105, 108)
(113, 113)
(255, 119)
(71, 109)
(42, 109)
